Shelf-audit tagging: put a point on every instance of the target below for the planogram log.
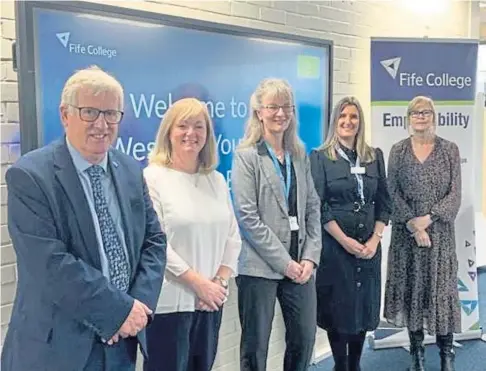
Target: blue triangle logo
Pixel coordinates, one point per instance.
(472, 275)
(391, 66)
(461, 286)
(63, 38)
(469, 306)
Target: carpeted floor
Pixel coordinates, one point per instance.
(470, 357)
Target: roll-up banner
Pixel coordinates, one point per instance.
(444, 70)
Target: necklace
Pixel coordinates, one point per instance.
(280, 156)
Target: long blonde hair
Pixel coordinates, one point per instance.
(254, 127)
(181, 110)
(365, 152)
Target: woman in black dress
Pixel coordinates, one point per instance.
(350, 179)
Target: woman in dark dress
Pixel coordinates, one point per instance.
(350, 179)
(425, 185)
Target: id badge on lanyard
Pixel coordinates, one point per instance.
(286, 183)
(358, 170)
(294, 225)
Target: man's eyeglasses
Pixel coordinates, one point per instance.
(90, 114)
(274, 108)
(424, 113)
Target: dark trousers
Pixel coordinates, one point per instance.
(256, 304)
(121, 356)
(184, 341)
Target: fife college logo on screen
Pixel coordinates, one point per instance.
(432, 79)
(90, 49)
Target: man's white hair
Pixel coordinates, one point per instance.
(94, 79)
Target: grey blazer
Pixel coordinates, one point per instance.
(262, 213)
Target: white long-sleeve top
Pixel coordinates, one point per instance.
(196, 214)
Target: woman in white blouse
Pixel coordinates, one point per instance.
(203, 243)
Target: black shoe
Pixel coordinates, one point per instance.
(447, 354)
(417, 350)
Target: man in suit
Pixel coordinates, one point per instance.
(90, 251)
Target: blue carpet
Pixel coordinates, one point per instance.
(471, 357)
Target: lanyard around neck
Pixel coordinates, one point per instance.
(359, 177)
(285, 182)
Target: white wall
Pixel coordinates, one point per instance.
(350, 24)
(480, 135)
(481, 83)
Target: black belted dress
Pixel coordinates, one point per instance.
(348, 288)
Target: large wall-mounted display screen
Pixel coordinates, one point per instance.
(159, 60)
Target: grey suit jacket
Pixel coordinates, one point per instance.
(262, 213)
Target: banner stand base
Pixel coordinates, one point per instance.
(400, 339)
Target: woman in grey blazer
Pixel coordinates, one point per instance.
(278, 212)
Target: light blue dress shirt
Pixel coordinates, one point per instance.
(111, 198)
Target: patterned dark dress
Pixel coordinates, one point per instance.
(348, 288)
(421, 288)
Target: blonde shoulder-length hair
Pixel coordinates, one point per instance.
(365, 152)
(182, 110)
(254, 130)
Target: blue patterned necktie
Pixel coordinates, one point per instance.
(117, 262)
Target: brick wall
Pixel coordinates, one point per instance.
(349, 24)
(9, 108)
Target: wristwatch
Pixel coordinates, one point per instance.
(222, 281)
(434, 217)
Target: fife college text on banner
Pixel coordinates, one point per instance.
(444, 70)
